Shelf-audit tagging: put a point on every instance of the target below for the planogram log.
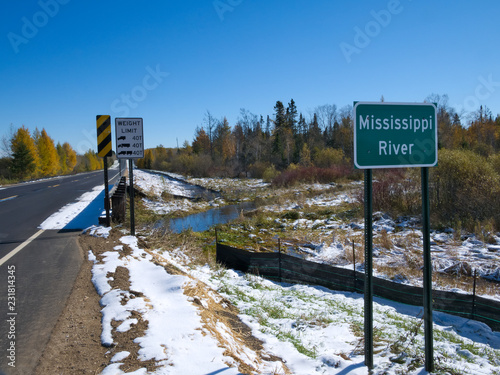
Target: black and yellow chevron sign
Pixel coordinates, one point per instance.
(103, 135)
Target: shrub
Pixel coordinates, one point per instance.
(202, 166)
(270, 173)
(258, 169)
(466, 187)
(396, 191)
(494, 160)
(328, 157)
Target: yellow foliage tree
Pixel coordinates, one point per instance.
(92, 162)
(305, 156)
(62, 158)
(147, 161)
(70, 156)
(49, 159)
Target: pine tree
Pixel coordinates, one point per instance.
(201, 143)
(224, 146)
(292, 116)
(279, 141)
(25, 159)
(315, 137)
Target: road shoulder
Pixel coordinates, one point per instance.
(75, 344)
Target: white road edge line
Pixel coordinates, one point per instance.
(20, 247)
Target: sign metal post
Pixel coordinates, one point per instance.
(104, 150)
(368, 270)
(429, 340)
(396, 135)
(132, 193)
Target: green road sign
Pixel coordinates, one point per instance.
(395, 135)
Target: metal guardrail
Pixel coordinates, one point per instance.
(118, 201)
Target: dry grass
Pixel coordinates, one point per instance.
(220, 318)
(383, 240)
(465, 283)
(409, 241)
(190, 245)
(355, 251)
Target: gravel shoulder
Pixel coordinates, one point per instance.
(75, 345)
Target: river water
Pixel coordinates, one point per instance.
(204, 220)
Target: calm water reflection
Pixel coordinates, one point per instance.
(204, 220)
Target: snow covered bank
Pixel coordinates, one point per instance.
(176, 338)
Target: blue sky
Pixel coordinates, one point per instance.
(65, 61)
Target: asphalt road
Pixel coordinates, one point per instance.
(38, 278)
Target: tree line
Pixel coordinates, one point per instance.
(288, 147)
(256, 144)
(288, 140)
(31, 155)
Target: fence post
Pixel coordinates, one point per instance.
(279, 259)
(354, 255)
(354, 266)
(474, 295)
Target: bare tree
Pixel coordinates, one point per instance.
(5, 150)
(327, 115)
(210, 124)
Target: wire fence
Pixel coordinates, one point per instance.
(285, 268)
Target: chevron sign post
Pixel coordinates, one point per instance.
(104, 150)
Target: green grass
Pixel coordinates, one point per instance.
(396, 336)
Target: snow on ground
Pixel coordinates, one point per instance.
(449, 254)
(98, 231)
(164, 208)
(313, 329)
(158, 184)
(175, 337)
(60, 219)
(319, 201)
(225, 183)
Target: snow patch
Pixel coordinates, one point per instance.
(61, 218)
